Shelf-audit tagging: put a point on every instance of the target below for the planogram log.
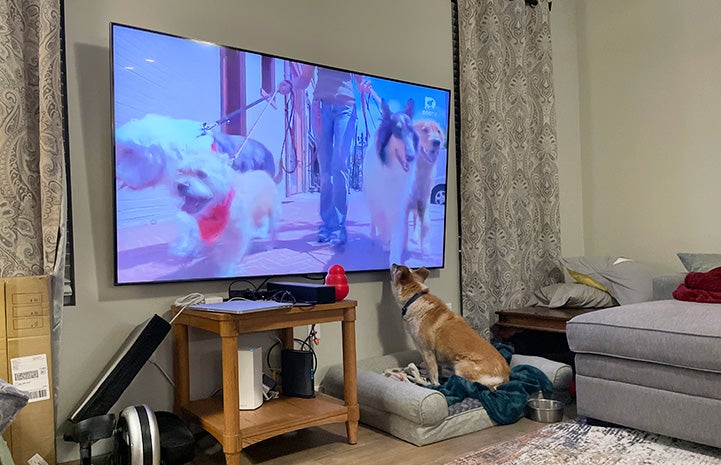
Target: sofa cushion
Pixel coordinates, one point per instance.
(12, 400)
(570, 295)
(700, 262)
(664, 285)
(653, 375)
(668, 332)
(626, 280)
(656, 410)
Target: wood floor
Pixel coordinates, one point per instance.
(327, 445)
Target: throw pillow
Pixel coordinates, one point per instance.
(626, 280)
(571, 295)
(701, 262)
(12, 400)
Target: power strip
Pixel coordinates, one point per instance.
(250, 294)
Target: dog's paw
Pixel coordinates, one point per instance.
(182, 249)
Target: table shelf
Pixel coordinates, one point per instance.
(273, 418)
(221, 416)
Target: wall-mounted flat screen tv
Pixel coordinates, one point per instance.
(230, 163)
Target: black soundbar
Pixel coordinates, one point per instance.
(305, 292)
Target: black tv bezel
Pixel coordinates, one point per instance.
(264, 278)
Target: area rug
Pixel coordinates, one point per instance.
(578, 443)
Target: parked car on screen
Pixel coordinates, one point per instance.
(438, 192)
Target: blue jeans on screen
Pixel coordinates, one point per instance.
(335, 140)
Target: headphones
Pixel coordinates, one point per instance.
(137, 437)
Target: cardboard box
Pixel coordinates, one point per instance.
(26, 311)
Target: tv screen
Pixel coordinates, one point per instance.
(230, 163)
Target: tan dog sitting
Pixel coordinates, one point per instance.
(442, 336)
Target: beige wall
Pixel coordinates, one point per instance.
(403, 39)
(650, 123)
(638, 143)
(568, 131)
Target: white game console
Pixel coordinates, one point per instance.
(250, 377)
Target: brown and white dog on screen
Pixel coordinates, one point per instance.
(442, 336)
(432, 141)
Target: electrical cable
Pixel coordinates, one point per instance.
(186, 301)
(182, 302)
(230, 286)
(165, 374)
(303, 343)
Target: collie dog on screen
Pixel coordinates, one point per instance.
(388, 173)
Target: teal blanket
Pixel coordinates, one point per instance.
(506, 404)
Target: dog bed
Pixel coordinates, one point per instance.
(417, 414)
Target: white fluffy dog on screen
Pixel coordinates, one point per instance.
(220, 211)
(149, 150)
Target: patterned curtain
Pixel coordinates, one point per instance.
(510, 226)
(32, 154)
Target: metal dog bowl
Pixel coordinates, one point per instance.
(544, 410)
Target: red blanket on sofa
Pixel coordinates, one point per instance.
(700, 287)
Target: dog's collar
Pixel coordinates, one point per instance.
(410, 301)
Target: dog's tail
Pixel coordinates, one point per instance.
(491, 382)
(281, 170)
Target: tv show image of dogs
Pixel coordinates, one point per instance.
(442, 336)
(388, 172)
(431, 142)
(149, 150)
(220, 211)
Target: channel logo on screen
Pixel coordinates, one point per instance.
(429, 107)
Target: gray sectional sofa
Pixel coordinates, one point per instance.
(654, 365)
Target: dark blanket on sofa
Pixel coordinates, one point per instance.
(700, 287)
(506, 404)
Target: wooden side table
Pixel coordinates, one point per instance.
(542, 331)
(222, 418)
(552, 320)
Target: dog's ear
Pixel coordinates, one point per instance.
(422, 273)
(410, 108)
(401, 274)
(416, 141)
(384, 132)
(385, 110)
